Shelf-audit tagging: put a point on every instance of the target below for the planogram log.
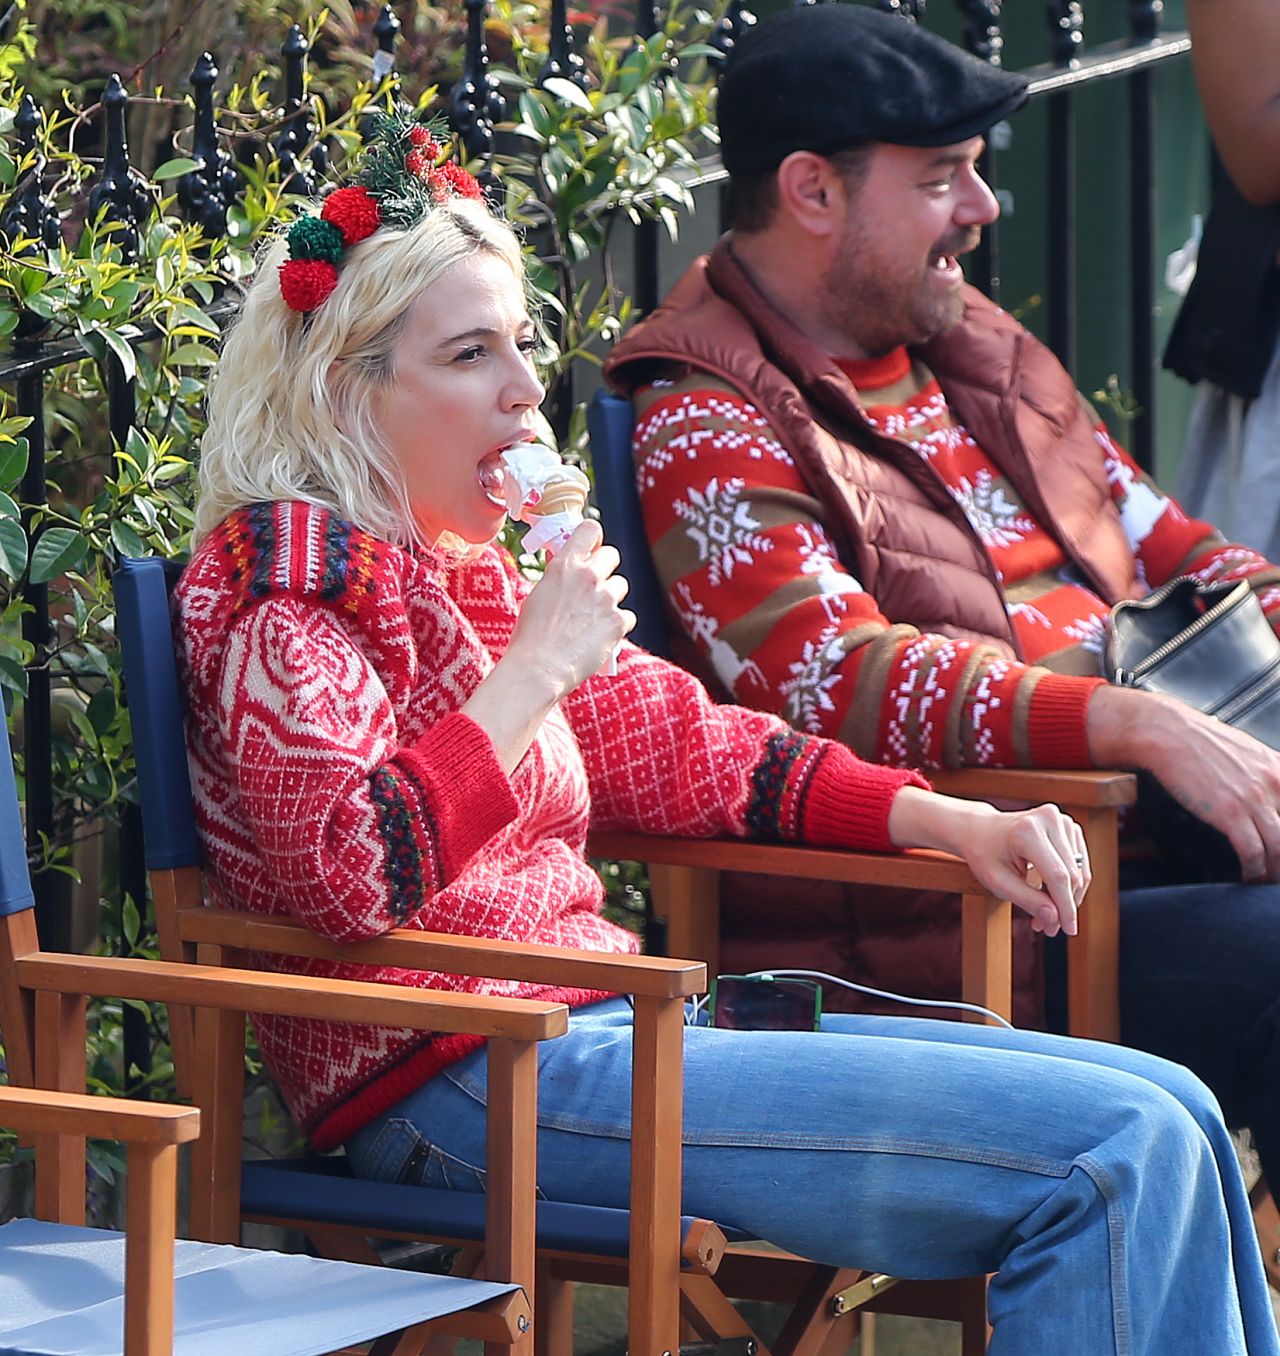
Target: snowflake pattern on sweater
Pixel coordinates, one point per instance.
(337, 780)
(754, 579)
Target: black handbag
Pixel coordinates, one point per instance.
(1211, 646)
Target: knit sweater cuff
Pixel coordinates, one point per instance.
(467, 793)
(846, 803)
(1057, 721)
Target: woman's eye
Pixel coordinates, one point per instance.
(529, 345)
(470, 355)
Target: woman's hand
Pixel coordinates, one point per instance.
(569, 626)
(573, 619)
(1037, 858)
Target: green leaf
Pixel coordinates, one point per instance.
(130, 923)
(8, 509)
(174, 169)
(57, 550)
(126, 540)
(120, 347)
(568, 93)
(13, 675)
(13, 461)
(101, 710)
(193, 355)
(13, 548)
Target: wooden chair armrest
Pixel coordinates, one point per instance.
(1085, 790)
(652, 976)
(915, 869)
(36, 1111)
(206, 986)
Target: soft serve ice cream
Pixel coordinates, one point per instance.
(543, 492)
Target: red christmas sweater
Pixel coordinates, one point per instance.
(751, 572)
(337, 781)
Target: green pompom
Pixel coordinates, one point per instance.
(312, 238)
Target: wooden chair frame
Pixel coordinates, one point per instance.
(43, 999)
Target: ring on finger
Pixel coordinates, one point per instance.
(1078, 859)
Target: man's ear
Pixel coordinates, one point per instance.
(810, 191)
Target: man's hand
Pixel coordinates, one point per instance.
(1224, 777)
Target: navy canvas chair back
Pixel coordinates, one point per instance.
(610, 420)
(15, 880)
(155, 703)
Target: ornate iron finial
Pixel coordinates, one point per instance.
(1066, 31)
(563, 62)
(299, 125)
(120, 191)
(207, 191)
(30, 212)
(982, 34)
(1144, 19)
(908, 9)
(733, 24)
(386, 32)
(475, 104)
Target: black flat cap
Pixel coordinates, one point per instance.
(826, 76)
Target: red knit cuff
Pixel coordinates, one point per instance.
(1057, 721)
(846, 803)
(466, 793)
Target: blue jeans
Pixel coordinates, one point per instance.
(1099, 1182)
(1200, 985)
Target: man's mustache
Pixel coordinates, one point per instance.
(958, 242)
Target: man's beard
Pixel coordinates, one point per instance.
(879, 310)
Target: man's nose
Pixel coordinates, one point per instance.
(977, 206)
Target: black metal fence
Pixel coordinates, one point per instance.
(474, 107)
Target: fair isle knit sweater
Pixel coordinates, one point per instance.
(337, 781)
(752, 573)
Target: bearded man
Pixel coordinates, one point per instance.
(880, 507)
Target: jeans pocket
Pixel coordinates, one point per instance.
(399, 1152)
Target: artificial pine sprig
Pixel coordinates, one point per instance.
(405, 174)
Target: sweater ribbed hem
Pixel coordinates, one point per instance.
(847, 801)
(379, 1095)
(1057, 721)
(457, 766)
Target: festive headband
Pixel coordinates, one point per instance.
(406, 173)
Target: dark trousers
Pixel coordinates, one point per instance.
(1200, 984)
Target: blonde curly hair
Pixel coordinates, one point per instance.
(291, 398)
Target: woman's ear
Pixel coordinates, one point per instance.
(809, 193)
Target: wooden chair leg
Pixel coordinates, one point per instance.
(1093, 954)
(553, 1323)
(987, 954)
(60, 1067)
(152, 1203)
(511, 1171)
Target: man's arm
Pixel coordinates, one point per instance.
(755, 582)
(1234, 55)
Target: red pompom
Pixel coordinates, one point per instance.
(353, 211)
(424, 141)
(452, 178)
(417, 163)
(305, 283)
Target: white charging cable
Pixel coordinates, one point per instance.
(696, 1007)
